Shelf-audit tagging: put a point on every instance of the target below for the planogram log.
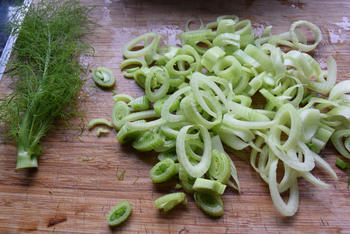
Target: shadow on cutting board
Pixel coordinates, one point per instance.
(215, 7)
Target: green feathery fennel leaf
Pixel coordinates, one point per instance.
(45, 73)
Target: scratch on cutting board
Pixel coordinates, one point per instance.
(56, 220)
(265, 227)
(145, 228)
(183, 230)
(324, 223)
(140, 205)
(136, 179)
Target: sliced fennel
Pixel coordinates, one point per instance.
(202, 94)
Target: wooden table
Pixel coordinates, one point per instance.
(69, 195)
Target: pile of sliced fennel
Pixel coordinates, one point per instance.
(203, 94)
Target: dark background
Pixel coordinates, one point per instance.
(4, 18)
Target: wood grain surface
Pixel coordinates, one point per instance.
(69, 195)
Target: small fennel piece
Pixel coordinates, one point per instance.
(169, 201)
(159, 75)
(163, 171)
(341, 164)
(295, 39)
(339, 91)
(148, 47)
(103, 77)
(202, 167)
(220, 167)
(140, 103)
(101, 131)
(343, 147)
(186, 180)
(211, 57)
(209, 185)
(119, 111)
(99, 121)
(210, 203)
(289, 208)
(136, 63)
(158, 105)
(168, 154)
(119, 214)
(147, 141)
(126, 134)
(122, 97)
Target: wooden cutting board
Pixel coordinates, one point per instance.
(70, 195)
